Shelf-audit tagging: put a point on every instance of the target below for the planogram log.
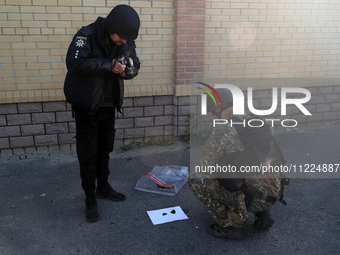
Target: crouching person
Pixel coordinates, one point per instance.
(229, 198)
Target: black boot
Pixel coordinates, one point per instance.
(230, 233)
(263, 220)
(109, 193)
(91, 212)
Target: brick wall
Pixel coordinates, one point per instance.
(271, 39)
(189, 41)
(145, 117)
(35, 36)
(35, 124)
(180, 42)
(27, 127)
(49, 127)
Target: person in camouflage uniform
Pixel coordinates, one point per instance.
(228, 206)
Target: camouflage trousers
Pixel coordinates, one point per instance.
(227, 208)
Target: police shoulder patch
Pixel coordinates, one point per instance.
(80, 41)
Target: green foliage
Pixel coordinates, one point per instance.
(163, 142)
(188, 129)
(126, 147)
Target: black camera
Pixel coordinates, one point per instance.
(128, 62)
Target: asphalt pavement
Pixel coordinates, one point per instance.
(42, 206)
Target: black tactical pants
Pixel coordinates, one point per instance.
(95, 140)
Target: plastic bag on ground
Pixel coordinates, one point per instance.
(166, 180)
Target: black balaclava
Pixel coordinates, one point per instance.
(124, 21)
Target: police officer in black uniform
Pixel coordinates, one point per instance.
(100, 56)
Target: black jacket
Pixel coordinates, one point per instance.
(88, 60)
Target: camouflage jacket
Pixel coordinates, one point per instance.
(224, 140)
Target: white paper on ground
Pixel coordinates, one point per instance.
(164, 215)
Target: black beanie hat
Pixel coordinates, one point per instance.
(124, 21)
